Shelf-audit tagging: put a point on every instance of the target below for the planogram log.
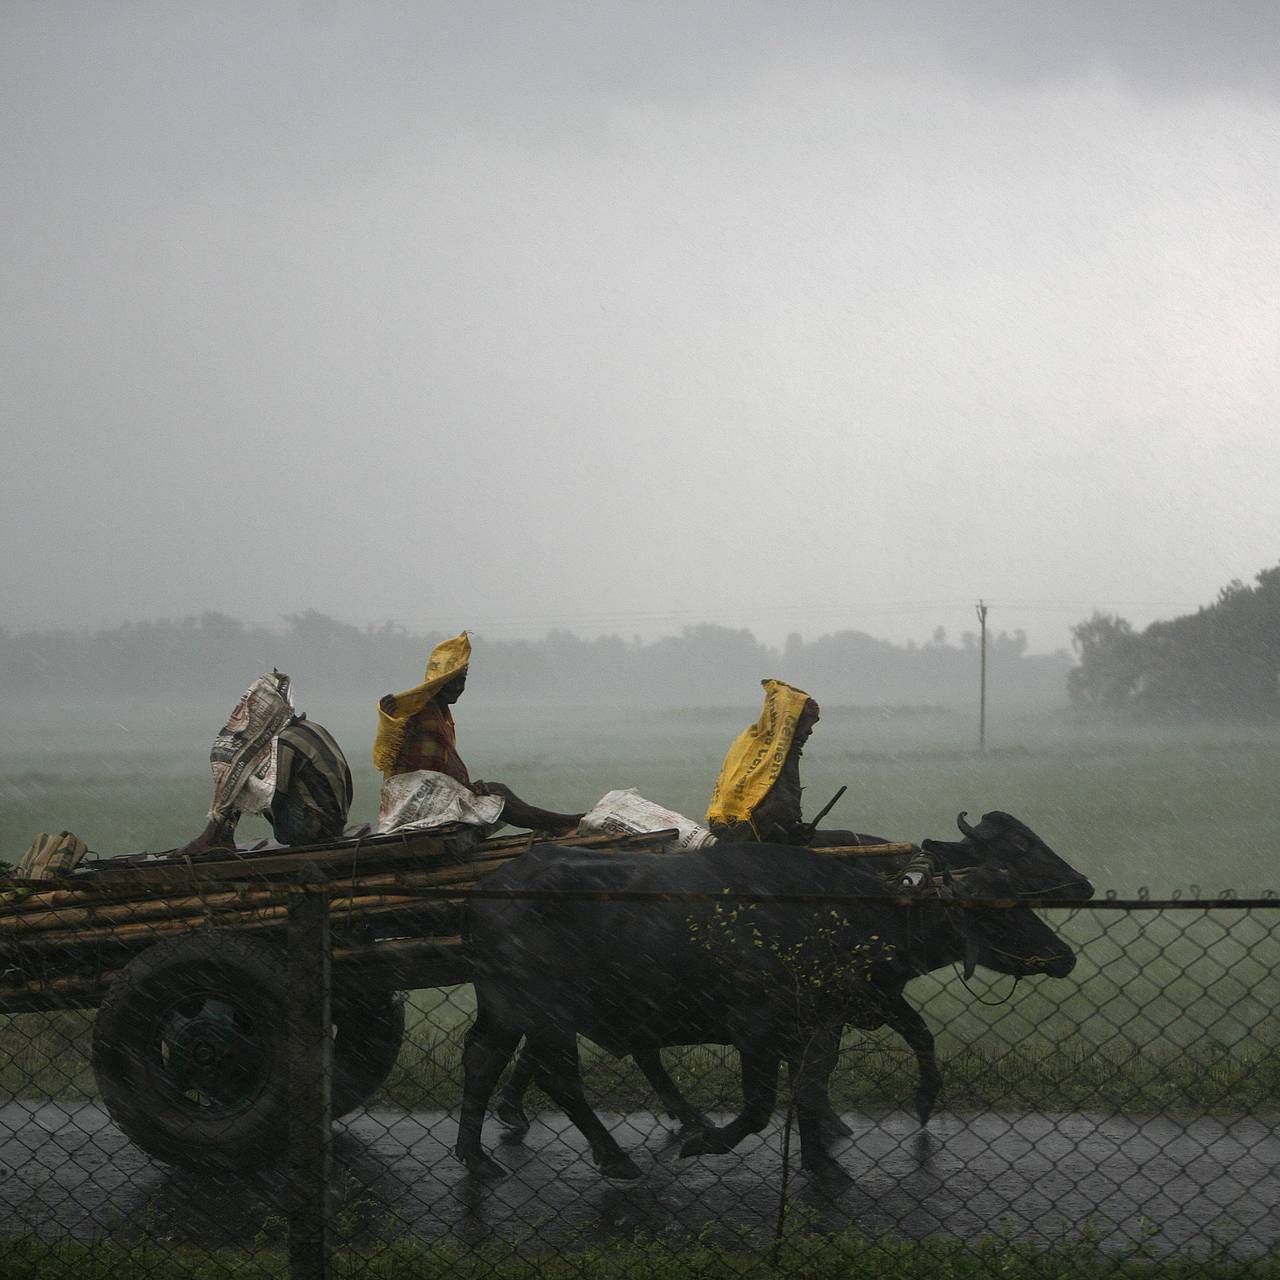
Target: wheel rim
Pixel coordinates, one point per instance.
(213, 1055)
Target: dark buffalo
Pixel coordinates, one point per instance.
(903, 1019)
(998, 830)
(510, 1106)
(776, 980)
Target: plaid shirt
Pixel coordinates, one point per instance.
(310, 764)
(430, 742)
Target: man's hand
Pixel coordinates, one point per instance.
(499, 789)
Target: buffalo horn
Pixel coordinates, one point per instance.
(963, 825)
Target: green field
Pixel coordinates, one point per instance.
(1168, 1011)
(1131, 806)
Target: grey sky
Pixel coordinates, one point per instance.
(621, 316)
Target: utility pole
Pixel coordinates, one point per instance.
(982, 681)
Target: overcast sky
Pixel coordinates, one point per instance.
(620, 316)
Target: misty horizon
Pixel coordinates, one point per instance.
(620, 317)
(935, 634)
(215, 656)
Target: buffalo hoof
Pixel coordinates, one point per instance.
(691, 1129)
(924, 1109)
(480, 1165)
(690, 1121)
(834, 1127)
(620, 1167)
(826, 1169)
(513, 1119)
(709, 1142)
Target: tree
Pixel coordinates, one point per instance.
(1223, 661)
(1110, 667)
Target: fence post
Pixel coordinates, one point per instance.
(310, 1050)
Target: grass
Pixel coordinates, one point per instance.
(1029, 1054)
(850, 1256)
(877, 1073)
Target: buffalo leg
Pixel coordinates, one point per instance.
(486, 1051)
(510, 1109)
(759, 1095)
(558, 1071)
(673, 1101)
(809, 1070)
(915, 1031)
(827, 1050)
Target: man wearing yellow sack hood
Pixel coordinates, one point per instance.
(757, 795)
(416, 735)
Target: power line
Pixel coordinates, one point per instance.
(851, 611)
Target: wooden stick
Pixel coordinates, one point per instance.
(866, 850)
(137, 915)
(142, 883)
(89, 913)
(92, 913)
(254, 917)
(41, 911)
(90, 909)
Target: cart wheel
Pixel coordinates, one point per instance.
(189, 1056)
(368, 1030)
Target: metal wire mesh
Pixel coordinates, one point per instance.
(152, 1056)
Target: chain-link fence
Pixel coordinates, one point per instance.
(284, 1072)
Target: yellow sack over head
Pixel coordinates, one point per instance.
(448, 659)
(757, 755)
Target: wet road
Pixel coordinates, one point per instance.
(1182, 1187)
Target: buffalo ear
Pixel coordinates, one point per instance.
(931, 846)
(949, 889)
(989, 881)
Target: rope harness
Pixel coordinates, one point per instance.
(925, 876)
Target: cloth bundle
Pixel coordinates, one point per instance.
(50, 855)
(243, 756)
(428, 801)
(627, 812)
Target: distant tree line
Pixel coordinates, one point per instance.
(214, 656)
(1221, 662)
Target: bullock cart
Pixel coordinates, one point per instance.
(184, 959)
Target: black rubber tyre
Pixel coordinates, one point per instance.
(189, 1056)
(188, 1052)
(368, 1029)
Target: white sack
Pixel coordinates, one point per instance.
(424, 800)
(627, 812)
